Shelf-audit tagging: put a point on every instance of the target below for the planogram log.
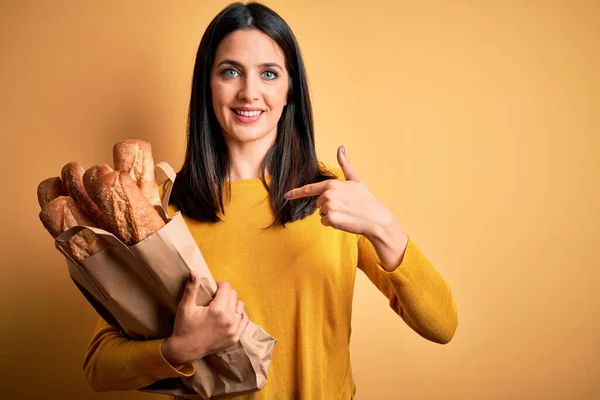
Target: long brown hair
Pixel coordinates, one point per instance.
(292, 160)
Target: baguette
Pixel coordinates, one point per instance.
(72, 178)
(48, 190)
(135, 157)
(93, 173)
(63, 213)
(129, 215)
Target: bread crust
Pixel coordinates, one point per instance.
(129, 214)
(72, 179)
(93, 173)
(48, 190)
(135, 157)
(63, 213)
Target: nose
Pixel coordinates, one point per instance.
(250, 89)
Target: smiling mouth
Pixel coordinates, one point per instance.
(243, 113)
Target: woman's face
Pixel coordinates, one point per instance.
(249, 85)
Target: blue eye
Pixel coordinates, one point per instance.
(269, 75)
(229, 73)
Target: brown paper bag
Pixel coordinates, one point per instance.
(137, 288)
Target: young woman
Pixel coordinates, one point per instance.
(277, 228)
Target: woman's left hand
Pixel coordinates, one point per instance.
(347, 205)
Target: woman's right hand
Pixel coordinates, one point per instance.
(199, 331)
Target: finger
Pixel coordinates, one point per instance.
(238, 317)
(190, 292)
(329, 194)
(222, 297)
(326, 196)
(323, 210)
(321, 201)
(326, 220)
(240, 308)
(232, 301)
(347, 168)
(244, 321)
(312, 189)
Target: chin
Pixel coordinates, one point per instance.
(248, 134)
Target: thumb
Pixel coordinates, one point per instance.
(347, 168)
(190, 292)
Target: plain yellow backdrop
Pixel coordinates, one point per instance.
(476, 122)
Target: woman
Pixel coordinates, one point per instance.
(249, 189)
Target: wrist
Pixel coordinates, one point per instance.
(380, 226)
(170, 352)
(390, 242)
(176, 353)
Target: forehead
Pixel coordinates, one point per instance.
(249, 47)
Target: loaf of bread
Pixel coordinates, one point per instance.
(72, 179)
(93, 173)
(135, 157)
(129, 214)
(48, 190)
(61, 214)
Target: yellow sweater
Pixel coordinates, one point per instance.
(297, 283)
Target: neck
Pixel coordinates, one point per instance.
(245, 159)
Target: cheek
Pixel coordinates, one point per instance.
(277, 97)
(219, 100)
(220, 95)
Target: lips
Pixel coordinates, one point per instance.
(247, 113)
(247, 116)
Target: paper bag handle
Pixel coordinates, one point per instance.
(111, 239)
(170, 173)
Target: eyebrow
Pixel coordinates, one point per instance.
(237, 64)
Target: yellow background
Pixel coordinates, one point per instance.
(476, 122)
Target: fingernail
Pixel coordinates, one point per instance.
(287, 195)
(343, 150)
(192, 277)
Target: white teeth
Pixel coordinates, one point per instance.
(248, 113)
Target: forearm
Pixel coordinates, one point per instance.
(416, 290)
(113, 362)
(425, 298)
(389, 240)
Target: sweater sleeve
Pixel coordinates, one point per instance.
(113, 362)
(415, 290)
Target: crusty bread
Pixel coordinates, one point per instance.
(135, 157)
(48, 190)
(129, 214)
(93, 173)
(72, 179)
(63, 213)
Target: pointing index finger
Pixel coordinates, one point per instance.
(312, 189)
